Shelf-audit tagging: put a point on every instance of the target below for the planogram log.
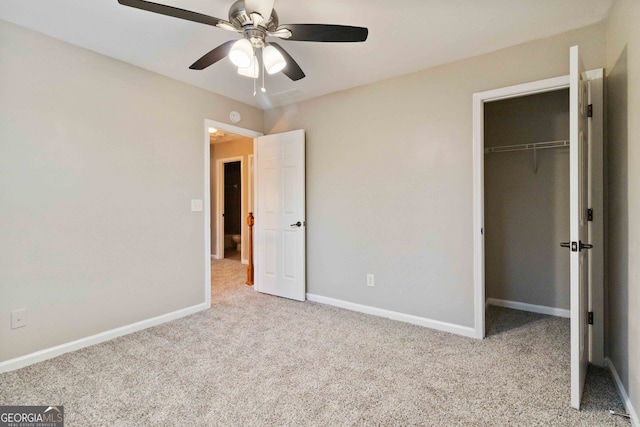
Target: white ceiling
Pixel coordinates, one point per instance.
(404, 36)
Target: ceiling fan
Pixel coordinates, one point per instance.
(256, 20)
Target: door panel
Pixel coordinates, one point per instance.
(579, 260)
(281, 207)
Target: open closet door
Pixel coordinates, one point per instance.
(280, 215)
(578, 170)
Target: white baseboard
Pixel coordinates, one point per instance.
(542, 309)
(402, 317)
(635, 422)
(245, 262)
(49, 353)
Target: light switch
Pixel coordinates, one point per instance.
(196, 205)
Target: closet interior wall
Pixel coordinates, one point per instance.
(527, 201)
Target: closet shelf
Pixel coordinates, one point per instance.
(531, 146)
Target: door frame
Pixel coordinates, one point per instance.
(596, 147)
(219, 211)
(207, 192)
(596, 227)
(250, 186)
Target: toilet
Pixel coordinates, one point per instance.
(237, 239)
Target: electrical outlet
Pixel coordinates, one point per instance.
(19, 318)
(370, 280)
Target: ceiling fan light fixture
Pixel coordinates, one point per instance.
(241, 53)
(253, 70)
(273, 60)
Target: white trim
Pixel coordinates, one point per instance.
(524, 89)
(231, 129)
(220, 201)
(256, 189)
(402, 317)
(596, 227)
(542, 309)
(635, 421)
(250, 172)
(49, 353)
(207, 216)
(478, 215)
(245, 256)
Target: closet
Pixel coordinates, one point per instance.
(526, 191)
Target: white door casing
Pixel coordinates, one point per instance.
(479, 98)
(250, 183)
(220, 208)
(280, 215)
(596, 223)
(579, 197)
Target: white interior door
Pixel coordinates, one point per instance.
(579, 259)
(280, 215)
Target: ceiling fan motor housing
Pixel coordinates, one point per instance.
(240, 19)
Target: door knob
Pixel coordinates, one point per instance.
(297, 224)
(575, 247)
(571, 245)
(585, 246)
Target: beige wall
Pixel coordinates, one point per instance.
(527, 211)
(242, 147)
(623, 190)
(98, 163)
(389, 177)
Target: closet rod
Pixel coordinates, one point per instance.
(531, 146)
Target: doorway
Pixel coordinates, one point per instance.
(479, 217)
(233, 192)
(230, 194)
(218, 147)
(526, 202)
(585, 88)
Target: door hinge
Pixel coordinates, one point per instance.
(589, 214)
(590, 110)
(590, 318)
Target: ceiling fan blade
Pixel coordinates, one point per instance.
(214, 56)
(292, 70)
(325, 33)
(263, 7)
(173, 11)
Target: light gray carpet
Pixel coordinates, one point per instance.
(255, 359)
